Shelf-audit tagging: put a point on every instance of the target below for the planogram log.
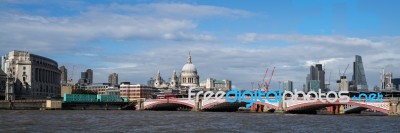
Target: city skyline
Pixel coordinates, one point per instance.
(228, 40)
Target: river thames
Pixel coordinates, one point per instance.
(181, 121)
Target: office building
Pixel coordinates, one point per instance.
(64, 73)
(134, 91)
(211, 84)
(396, 83)
(113, 79)
(3, 80)
(359, 80)
(288, 85)
(33, 76)
(86, 77)
(314, 85)
(316, 73)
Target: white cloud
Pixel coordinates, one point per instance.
(323, 61)
(163, 22)
(319, 39)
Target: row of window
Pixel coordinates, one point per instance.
(189, 80)
(46, 76)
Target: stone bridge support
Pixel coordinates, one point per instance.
(336, 109)
(197, 105)
(394, 106)
(140, 104)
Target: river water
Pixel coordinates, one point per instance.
(181, 121)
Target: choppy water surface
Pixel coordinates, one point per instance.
(166, 121)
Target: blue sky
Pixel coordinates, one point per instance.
(234, 40)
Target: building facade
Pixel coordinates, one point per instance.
(288, 85)
(189, 77)
(314, 85)
(3, 80)
(33, 76)
(113, 79)
(359, 80)
(134, 91)
(86, 78)
(211, 84)
(387, 81)
(64, 75)
(99, 88)
(316, 73)
(396, 83)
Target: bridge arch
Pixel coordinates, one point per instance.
(167, 103)
(319, 105)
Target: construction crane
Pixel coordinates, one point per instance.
(345, 69)
(265, 75)
(270, 78)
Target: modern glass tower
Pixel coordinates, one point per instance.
(359, 79)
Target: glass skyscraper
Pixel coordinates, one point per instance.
(359, 80)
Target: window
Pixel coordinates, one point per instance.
(24, 68)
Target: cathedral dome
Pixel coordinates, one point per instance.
(189, 68)
(189, 77)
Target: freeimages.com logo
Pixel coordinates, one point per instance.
(283, 96)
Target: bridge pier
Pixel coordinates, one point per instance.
(197, 106)
(394, 108)
(281, 107)
(336, 109)
(258, 108)
(140, 105)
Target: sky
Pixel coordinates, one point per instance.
(235, 40)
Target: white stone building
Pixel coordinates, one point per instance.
(33, 76)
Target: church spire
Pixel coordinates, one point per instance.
(158, 75)
(189, 61)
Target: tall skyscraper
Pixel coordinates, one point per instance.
(359, 79)
(90, 76)
(316, 73)
(113, 79)
(64, 73)
(86, 77)
(288, 85)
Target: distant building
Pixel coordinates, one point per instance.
(86, 78)
(66, 89)
(316, 73)
(216, 85)
(174, 83)
(64, 73)
(135, 91)
(3, 80)
(99, 88)
(314, 85)
(112, 91)
(343, 84)
(189, 77)
(90, 75)
(388, 85)
(150, 82)
(34, 76)
(288, 85)
(396, 83)
(359, 80)
(113, 79)
(159, 81)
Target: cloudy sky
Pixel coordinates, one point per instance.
(234, 40)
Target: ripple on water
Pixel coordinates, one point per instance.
(169, 121)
